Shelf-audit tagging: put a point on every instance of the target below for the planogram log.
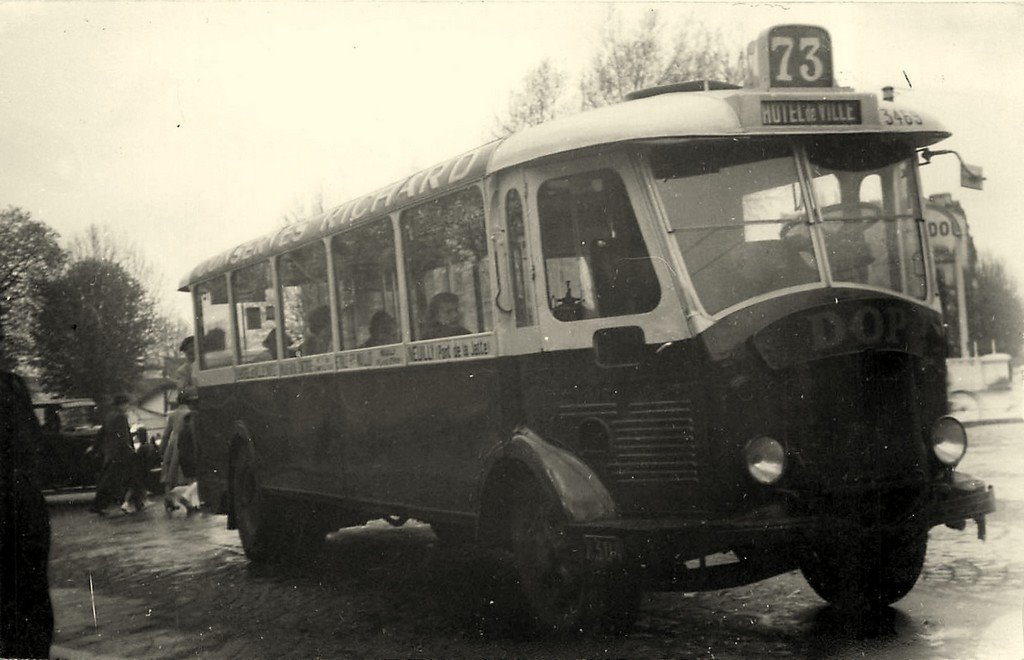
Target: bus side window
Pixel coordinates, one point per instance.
(305, 299)
(595, 260)
(214, 324)
(519, 260)
(365, 274)
(445, 245)
(253, 292)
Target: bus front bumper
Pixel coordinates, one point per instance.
(650, 541)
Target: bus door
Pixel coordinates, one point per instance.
(516, 266)
(604, 302)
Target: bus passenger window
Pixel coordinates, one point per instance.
(365, 274)
(595, 259)
(446, 264)
(214, 324)
(519, 260)
(305, 299)
(254, 313)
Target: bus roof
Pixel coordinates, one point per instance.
(673, 114)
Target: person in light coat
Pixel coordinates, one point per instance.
(179, 488)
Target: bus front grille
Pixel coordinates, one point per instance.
(654, 443)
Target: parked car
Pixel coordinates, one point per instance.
(69, 456)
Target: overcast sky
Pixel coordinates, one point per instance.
(190, 127)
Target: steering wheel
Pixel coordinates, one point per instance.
(790, 226)
(867, 213)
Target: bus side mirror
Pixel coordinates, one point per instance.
(619, 347)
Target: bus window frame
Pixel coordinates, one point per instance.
(279, 293)
(405, 283)
(352, 358)
(199, 325)
(666, 322)
(515, 339)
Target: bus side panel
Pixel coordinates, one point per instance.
(431, 427)
(310, 420)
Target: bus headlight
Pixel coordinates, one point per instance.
(766, 459)
(949, 441)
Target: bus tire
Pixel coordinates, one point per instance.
(258, 521)
(869, 571)
(560, 590)
(274, 528)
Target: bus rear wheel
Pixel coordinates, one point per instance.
(561, 590)
(867, 571)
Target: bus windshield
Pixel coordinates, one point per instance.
(739, 217)
(867, 195)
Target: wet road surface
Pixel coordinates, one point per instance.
(157, 586)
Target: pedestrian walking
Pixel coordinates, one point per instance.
(150, 458)
(118, 480)
(177, 470)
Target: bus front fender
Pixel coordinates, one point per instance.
(569, 480)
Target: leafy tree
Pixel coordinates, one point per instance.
(627, 59)
(92, 330)
(995, 312)
(28, 254)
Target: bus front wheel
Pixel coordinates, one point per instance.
(867, 571)
(561, 590)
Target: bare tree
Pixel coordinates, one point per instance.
(652, 54)
(995, 310)
(301, 211)
(99, 243)
(627, 58)
(537, 100)
(167, 328)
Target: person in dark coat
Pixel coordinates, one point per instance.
(117, 448)
(26, 612)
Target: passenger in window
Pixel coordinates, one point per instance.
(443, 317)
(270, 343)
(318, 335)
(382, 330)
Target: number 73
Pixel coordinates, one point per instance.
(811, 69)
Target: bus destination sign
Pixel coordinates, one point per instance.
(799, 56)
(811, 113)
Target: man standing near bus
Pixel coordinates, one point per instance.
(118, 451)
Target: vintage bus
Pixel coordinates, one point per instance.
(684, 342)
